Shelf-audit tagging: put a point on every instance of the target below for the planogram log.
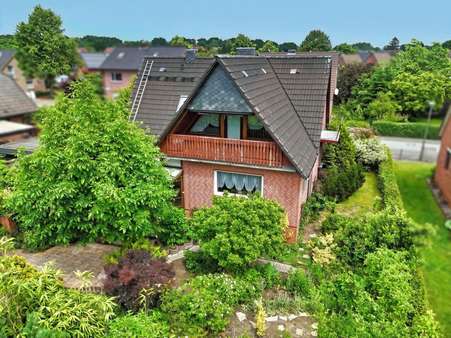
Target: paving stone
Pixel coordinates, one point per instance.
(303, 314)
(292, 317)
(315, 326)
(241, 316)
(283, 318)
(281, 327)
(281, 267)
(314, 333)
(299, 332)
(272, 319)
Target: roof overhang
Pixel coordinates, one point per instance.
(330, 136)
(11, 128)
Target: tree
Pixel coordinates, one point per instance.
(286, 46)
(159, 42)
(95, 176)
(258, 43)
(447, 44)
(98, 43)
(393, 44)
(316, 40)
(348, 77)
(345, 48)
(269, 46)
(365, 46)
(8, 41)
(241, 40)
(43, 49)
(180, 41)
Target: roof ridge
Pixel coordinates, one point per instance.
(291, 102)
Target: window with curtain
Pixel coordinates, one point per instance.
(255, 129)
(207, 124)
(238, 184)
(448, 159)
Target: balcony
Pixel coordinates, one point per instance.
(260, 153)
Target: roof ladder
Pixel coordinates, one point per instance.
(140, 90)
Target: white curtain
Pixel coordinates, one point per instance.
(204, 121)
(239, 181)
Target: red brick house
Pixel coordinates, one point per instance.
(239, 124)
(443, 170)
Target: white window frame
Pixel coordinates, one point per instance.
(113, 76)
(221, 193)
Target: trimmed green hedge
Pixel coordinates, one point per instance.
(387, 184)
(406, 129)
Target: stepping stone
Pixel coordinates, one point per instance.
(299, 332)
(315, 326)
(283, 318)
(292, 317)
(304, 314)
(241, 316)
(272, 319)
(281, 327)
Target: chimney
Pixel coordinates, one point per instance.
(246, 51)
(190, 55)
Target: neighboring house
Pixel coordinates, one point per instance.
(92, 61)
(123, 63)
(240, 124)
(10, 67)
(379, 57)
(347, 59)
(16, 109)
(443, 169)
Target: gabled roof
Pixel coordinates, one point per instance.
(13, 100)
(351, 58)
(385, 56)
(131, 58)
(288, 93)
(5, 57)
(93, 60)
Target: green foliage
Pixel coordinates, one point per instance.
(237, 231)
(406, 129)
(386, 182)
(104, 177)
(33, 329)
(8, 41)
(370, 153)
(312, 208)
(348, 77)
(316, 40)
(344, 175)
(98, 43)
(384, 107)
(28, 295)
(141, 325)
(43, 49)
(366, 46)
(202, 305)
(269, 46)
(241, 40)
(200, 262)
(180, 41)
(345, 48)
(393, 44)
(298, 283)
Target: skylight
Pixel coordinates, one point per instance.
(293, 71)
(162, 69)
(120, 55)
(264, 71)
(244, 73)
(181, 101)
(155, 54)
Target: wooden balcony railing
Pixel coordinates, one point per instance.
(264, 153)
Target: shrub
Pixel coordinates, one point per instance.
(370, 153)
(173, 226)
(236, 231)
(314, 205)
(140, 325)
(344, 175)
(142, 244)
(104, 177)
(298, 283)
(388, 186)
(137, 280)
(383, 108)
(406, 129)
(31, 296)
(202, 305)
(200, 262)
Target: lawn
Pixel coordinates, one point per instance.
(421, 206)
(362, 201)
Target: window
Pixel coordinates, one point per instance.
(10, 70)
(116, 76)
(237, 184)
(255, 129)
(207, 124)
(120, 55)
(448, 159)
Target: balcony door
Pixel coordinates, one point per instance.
(234, 127)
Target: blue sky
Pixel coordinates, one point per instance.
(289, 20)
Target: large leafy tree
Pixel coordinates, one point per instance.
(7, 41)
(180, 41)
(348, 76)
(269, 46)
(393, 44)
(94, 176)
(43, 49)
(316, 40)
(365, 46)
(98, 43)
(159, 41)
(345, 48)
(447, 44)
(286, 46)
(241, 40)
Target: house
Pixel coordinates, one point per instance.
(347, 59)
(383, 57)
(15, 111)
(123, 63)
(239, 124)
(92, 61)
(443, 170)
(10, 67)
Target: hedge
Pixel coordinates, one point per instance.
(406, 129)
(387, 184)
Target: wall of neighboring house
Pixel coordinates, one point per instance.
(12, 70)
(287, 188)
(112, 87)
(443, 170)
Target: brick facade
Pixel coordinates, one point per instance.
(111, 87)
(284, 187)
(443, 174)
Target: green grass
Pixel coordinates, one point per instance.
(436, 121)
(363, 200)
(422, 207)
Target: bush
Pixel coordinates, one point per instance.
(344, 175)
(406, 129)
(137, 280)
(298, 284)
(313, 206)
(383, 108)
(200, 262)
(388, 186)
(236, 231)
(104, 178)
(370, 153)
(202, 305)
(31, 296)
(140, 325)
